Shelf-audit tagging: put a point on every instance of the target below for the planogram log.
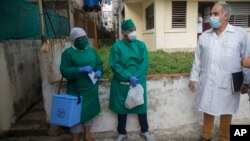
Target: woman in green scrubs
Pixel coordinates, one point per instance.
(76, 63)
(129, 63)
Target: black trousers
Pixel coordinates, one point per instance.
(122, 121)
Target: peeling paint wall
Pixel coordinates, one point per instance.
(49, 57)
(171, 106)
(20, 79)
(5, 94)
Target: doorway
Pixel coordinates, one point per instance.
(204, 8)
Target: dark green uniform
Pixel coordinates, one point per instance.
(126, 60)
(80, 83)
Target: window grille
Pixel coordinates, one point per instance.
(150, 17)
(240, 14)
(179, 13)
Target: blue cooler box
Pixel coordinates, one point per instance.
(65, 111)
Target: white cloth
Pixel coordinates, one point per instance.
(200, 24)
(216, 57)
(135, 96)
(92, 77)
(77, 32)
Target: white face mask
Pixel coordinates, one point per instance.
(132, 36)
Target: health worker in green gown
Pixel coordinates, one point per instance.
(76, 63)
(129, 63)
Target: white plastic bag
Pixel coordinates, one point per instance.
(134, 97)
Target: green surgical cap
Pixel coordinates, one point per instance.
(127, 24)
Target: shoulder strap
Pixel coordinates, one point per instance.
(77, 93)
(60, 85)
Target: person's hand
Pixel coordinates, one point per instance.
(87, 69)
(98, 74)
(133, 81)
(191, 86)
(244, 89)
(245, 62)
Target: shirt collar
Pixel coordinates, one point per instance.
(229, 28)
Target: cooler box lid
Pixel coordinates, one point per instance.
(66, 96)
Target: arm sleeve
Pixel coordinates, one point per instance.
(195, 72)
(245, 53)
(143, 68)
(67, 69)
(99, 63)
(115, 65)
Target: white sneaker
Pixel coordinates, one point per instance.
(147, 136)
(121, 137)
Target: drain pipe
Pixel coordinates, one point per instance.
(41, 20)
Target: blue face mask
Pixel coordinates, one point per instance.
(214, 22)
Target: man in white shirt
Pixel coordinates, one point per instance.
(218, 55)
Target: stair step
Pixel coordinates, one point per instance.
(32, 123)
(34, 115)
(38, 106)
(31, 129)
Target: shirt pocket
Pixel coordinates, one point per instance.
(230, 48)
(230, 56)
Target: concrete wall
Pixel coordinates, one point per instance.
(171, 106)
(171, 109)
(20, 83)
(49, 57)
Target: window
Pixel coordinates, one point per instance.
(248, 21)
(240, 15)
(179, 14)
(150, 17)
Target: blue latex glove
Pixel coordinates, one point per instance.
(87, 69)
(133, 81)
(98, 74)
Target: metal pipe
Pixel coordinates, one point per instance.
(41, 19)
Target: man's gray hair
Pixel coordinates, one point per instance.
(226, 9)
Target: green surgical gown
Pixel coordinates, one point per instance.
(126, 60)
(80, 83)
